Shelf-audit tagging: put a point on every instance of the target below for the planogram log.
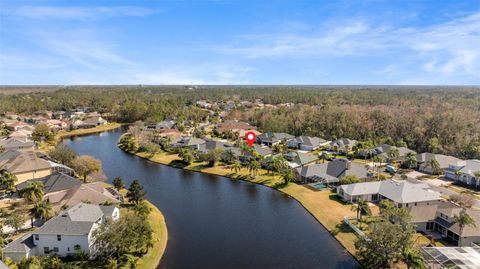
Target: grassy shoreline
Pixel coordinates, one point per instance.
(46, 146)
(160, 236)
(322, 205)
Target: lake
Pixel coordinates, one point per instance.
(215, 222)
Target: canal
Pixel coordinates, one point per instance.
(214, 222)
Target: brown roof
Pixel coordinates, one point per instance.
(21, 162)
(233, 125)
(94, 193)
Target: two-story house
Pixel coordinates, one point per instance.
(64, 235)
(466, 172)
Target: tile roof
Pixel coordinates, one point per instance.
(54, 182)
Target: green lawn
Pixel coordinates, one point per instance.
(323, 205)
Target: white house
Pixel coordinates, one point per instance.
(401, 193)
(466, 172)
(66, 234)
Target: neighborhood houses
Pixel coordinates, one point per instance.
(371, 178)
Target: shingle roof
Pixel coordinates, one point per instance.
(342, 142)
(22, 161)
(398, 191)
(443, 160)
(77, 220)
(54, 182)
(21, 245)
(16, 143)
(385, 148)
(274, 137)
(310, 140)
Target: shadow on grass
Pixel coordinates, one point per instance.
(337, 199)
(178, 164)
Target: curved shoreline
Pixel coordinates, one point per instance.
(292, 194)
(152, 259)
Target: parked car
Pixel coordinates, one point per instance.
(390, 169)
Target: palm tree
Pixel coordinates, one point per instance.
(463, 219)
(33, 192)
(414, 260)
(435, 166)
(393, 153)
(43, 209)
(323, 156)
(279, 163)
(236, 166)
(7, 181)
(287, 176)
(362, 208)
(379, 159)
(253, 167)
(411, 160)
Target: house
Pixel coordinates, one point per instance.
(212, 145)
(424, 161)
(203, 104)
(16, 125)
(452, 257)
(331, 172)
(439, 218)
(17, 144)
(59, 115)
(22, 134)
(297, 159)
(188, 141)
(402, 193)
(466, 172)
(64, 190)
(172, 133)
(342, 145)
(92, 122)
(25, 165)
(166, 124)
(245, 156)
(270, 139)
(384, 151)
(307, 143)
(234, 126)
(64, 235)
(56, 125)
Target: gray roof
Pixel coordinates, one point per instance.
(21, 245)
(16, 143)
(54, 182)
(385, 148)
(77, 220)
(211, 145)
(309, 141)
(166, 124)
(443, 160)
(333, 170)
(3, 266)
(397, 191)
(274, 137)
(343, 142)
(300, 157)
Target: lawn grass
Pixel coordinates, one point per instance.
(160, 238)
(324, 205)
(46, 146)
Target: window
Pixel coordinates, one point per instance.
(68, 249)
(429, 225)
(443, 216)
(59, 237)
(415, 204)
(46, 250)
(36, 237)
(55, 249)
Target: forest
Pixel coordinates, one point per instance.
(435, 119)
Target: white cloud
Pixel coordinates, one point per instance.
(444, 48)
(78, 13)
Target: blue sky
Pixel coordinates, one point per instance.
(240, 42)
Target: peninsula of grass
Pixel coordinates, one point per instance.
(160, 238)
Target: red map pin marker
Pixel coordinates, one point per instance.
(250, 137)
